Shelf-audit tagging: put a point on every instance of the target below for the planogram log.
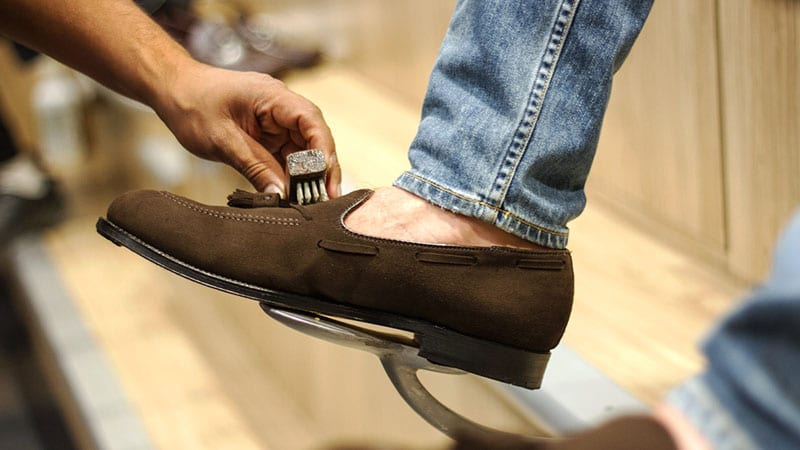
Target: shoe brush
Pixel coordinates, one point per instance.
(307, 170)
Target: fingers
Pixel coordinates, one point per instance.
(334, 184)
(256, 164)
(249, 121)
(297, 124)
(323, 139)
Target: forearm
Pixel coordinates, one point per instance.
(240, 118)
(112, 41)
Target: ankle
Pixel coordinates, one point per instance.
(394, 213)
(481, 231)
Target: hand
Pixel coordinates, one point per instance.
(247, 120)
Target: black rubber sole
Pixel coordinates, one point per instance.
(437, 344)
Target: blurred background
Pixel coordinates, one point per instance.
(697, 170)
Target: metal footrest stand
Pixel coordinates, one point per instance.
(400, 359)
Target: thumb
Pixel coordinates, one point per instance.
(265, 177)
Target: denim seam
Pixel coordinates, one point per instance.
(530, 118)
(536, 227)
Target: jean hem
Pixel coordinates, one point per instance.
(458, 203)
(709, 415)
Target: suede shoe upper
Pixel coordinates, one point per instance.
(514, 297)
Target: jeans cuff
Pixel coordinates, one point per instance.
(463, 204)
(709, 415)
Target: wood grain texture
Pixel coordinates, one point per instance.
(760, 57)
(641, 307)
(16, 109)
(659, 159)
(396, 43)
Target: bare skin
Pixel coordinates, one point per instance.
(249, 121)
(683, 432)
(394, 213)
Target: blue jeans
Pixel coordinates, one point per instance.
(749, 394)
(509, 129)
(513, 110)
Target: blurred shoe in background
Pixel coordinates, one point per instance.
(30, 200)
(247, 45)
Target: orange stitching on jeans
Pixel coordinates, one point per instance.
(490, 206)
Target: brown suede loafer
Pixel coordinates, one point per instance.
(492, 311)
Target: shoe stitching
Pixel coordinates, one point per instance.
(196, 269)
(232, 216)
(292, 221)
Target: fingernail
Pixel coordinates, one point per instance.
(273, 189)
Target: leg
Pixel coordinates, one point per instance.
(513, 113)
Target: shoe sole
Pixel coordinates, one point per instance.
(437, 344)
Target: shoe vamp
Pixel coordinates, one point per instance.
(476, 292)
(260, 247)
(491, 299)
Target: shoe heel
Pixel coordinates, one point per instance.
(484, 358)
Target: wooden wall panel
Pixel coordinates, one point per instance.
(393, 43)
(760, 56)
(387, 48)
(659, 158)
(16, 82)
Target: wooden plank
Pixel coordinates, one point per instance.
(760, 57)
(395, 45)
(16, 83)
(659, 159)
(641, 307)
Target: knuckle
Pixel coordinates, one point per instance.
(270, 81)
(218, 136)
(254, 169)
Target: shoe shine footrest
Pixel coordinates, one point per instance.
(492, 311)
(437, 344)
(401, 360)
